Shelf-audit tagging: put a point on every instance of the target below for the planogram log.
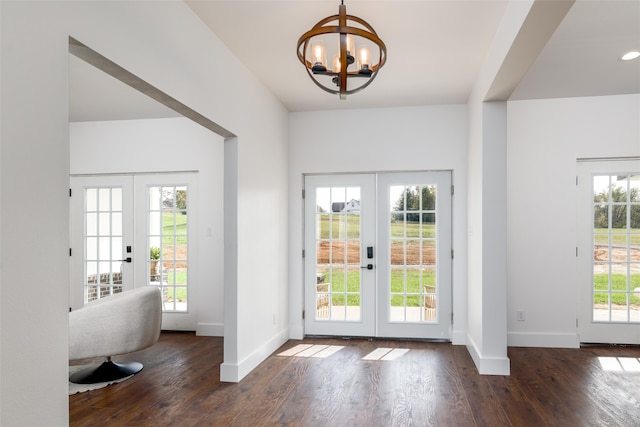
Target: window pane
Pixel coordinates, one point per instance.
(428, 252)
(91, 224)
(104, 199)
(116, 199)
(91, 199)
(104, 224)
(429, 197)
(116, 224)
(397, 224)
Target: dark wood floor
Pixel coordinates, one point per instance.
(432, 384)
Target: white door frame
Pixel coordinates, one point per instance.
(134, 273)
(590, 329)
(439, 324)
(365, 325)
(438, 328)
(78, 185)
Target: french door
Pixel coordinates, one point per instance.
(129, 231)
(378, 255)
(609, 251)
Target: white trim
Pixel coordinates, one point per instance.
(210, 330)
(539, 339)
(233, 373)
(459, 337)
(488, 365)
(296, 332)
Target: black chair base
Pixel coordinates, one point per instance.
(108, 371)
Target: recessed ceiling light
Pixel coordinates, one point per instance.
(630, 55)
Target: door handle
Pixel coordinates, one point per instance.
(128, 259)
(368, 266)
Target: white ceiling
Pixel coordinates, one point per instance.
(435, 51)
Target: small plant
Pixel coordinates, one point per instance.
(154, 252)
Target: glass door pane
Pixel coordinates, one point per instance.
(167, 239)
(412, 244)
(414, 264)
(101, 225)
(616, 248)
(103, 242)
(339, 288)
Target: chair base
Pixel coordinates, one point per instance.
(108, 371)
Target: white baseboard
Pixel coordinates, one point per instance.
(210, 330)
(549, 340)
(233, 373)
(488, 365)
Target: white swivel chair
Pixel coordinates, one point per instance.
(113, 325)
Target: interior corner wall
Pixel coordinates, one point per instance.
(164, 146)
(487, 146)
(182, 59)
(487, 333)
(377, 140)
(546, 137)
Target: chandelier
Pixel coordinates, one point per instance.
(357, 46)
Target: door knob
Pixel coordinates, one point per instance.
(128, 259)
(368, 266)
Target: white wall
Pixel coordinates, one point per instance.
(487, 141)
(188, 62)
(168, 145)
(378, 140)
(545, 137)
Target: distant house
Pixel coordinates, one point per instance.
(351, 207)
(337, 207)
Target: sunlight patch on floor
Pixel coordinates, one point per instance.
(386, 354)
(620, 364)
(311, 350)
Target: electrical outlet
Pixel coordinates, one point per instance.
(520, 315)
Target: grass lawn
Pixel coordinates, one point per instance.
(618, 283)
(600, 235)
(168, 232)
(352, 292)
(348, 226)
(179, 294)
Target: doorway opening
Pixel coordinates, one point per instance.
(88, 55)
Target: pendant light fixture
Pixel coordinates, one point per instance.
(355, 44)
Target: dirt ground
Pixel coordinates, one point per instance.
(167, 252)
(397, 253)
(618, 254)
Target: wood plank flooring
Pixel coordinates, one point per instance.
(433, 384)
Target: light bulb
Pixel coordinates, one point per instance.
(336, 63)
(318, 56)
(351, 45)
(364, 58)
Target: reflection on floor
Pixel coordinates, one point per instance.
(309, 350)
(324, 351)
(386, 354)
(620, 364)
